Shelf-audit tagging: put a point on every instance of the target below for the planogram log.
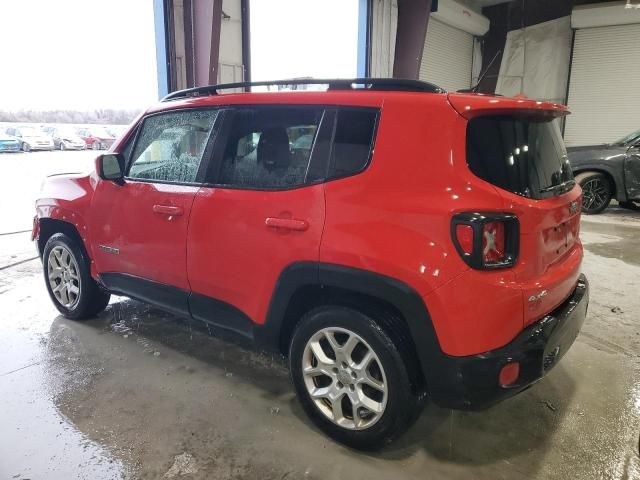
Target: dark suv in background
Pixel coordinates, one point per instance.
(608, 171)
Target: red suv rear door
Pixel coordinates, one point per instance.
(139, 229)
(262, 211)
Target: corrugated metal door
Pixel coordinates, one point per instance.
(448, 56)
(604, 89)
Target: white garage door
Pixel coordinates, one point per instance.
(447, 56)
(604, 89)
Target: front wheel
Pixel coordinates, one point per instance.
(596, 192)
(66, 272)
(350, 377)
(96, 145)
(26, 147)
(62, 147)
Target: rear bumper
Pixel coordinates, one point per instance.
(471, 382)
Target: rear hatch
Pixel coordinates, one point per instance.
(520, 151)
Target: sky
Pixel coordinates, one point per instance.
(303, 38)
(91, 54)
(77, 54)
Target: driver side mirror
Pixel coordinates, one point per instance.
(110, 166)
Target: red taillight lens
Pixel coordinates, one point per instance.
(486, 240)
(493, 242)
(464, 235)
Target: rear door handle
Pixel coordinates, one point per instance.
(168, 210)
(286, 223)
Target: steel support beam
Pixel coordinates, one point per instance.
(413, 18)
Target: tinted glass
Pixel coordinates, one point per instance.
(524, 155)
(352, 141)
(269, 147)
(170, 146)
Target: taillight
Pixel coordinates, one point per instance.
(464, 235)
(486, 240)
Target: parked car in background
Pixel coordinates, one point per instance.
(65, 138)
(96, 138)
(30, 138)
(9, 143)
(608, 171)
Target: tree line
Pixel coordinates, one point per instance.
(106, 116)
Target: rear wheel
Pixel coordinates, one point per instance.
(62, 147)
(596, 190)
(26, 147)
(351, 378)
(66, 270)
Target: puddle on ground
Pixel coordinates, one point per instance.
(612, 241)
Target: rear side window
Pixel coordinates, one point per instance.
(269, 147)
(524, 155)
(353, 141)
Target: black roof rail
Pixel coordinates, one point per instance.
(378, 84)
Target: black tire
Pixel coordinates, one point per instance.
(62, 147)
(597, 191)
(91, 299)
(26, 147)
(629, 205)
(402, 405)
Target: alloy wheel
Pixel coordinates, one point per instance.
(344, 378)
(595, 194)
(64, 276)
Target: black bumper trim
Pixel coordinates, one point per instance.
(471, 383)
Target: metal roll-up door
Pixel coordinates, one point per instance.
(448, 56)
(604, 88)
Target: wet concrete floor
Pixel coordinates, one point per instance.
(137, 393)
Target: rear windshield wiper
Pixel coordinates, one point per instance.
(562, 186)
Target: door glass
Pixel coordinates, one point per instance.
(269, 147)
(353, 141)
(170, 146)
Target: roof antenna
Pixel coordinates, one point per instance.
(474, 89)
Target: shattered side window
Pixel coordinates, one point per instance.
(170, 146)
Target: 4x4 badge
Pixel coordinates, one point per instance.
(573, 207)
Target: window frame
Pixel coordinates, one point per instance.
(329, 111)
(206, 153)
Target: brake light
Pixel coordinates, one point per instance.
(486, 240)
(464, 235)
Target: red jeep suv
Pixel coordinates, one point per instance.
(395, 241)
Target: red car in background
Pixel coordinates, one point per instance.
(96, 138)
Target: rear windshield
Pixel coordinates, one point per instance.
(524, 155)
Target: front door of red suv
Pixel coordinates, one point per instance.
(262, 211)
(139, 228)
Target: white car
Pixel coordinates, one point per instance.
(65, 138)
(31, 138)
